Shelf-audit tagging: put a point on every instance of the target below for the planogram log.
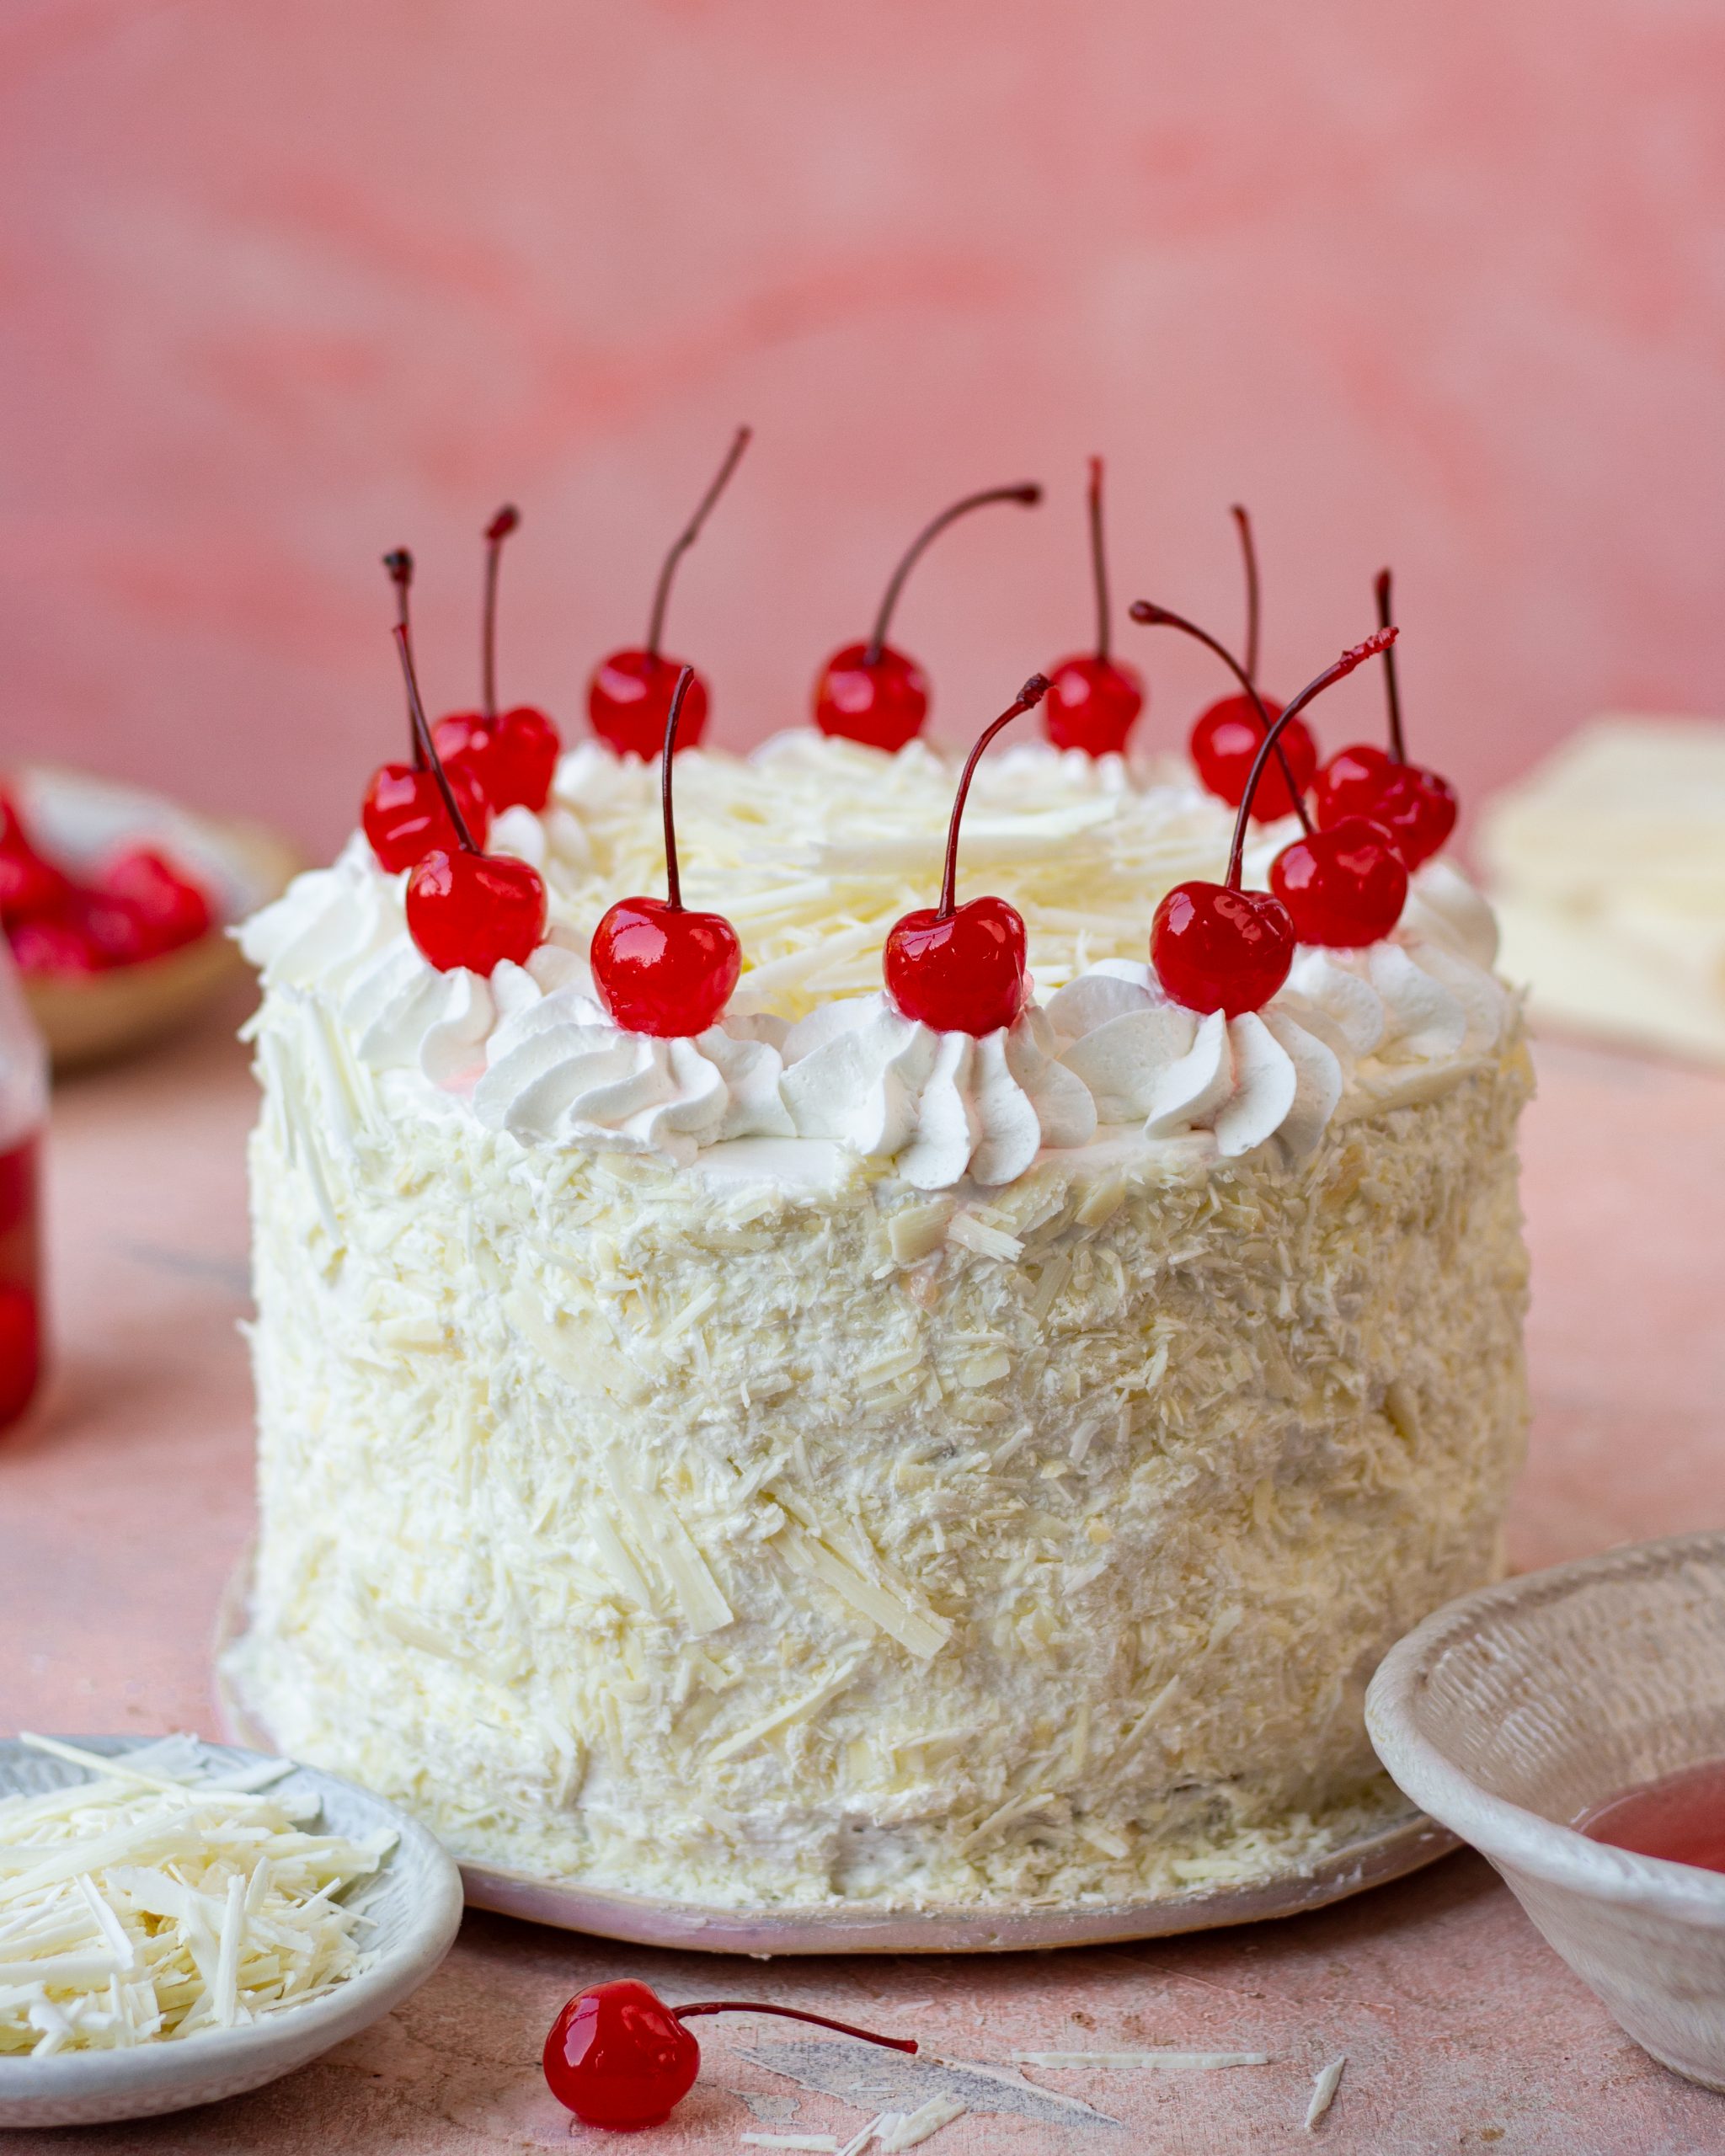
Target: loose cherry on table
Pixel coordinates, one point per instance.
(1414, 805)
(1218, 948)
(514, 753)
(868, 692)
(618, 2057)
(961, 968)
(465, 908)
(628, 698)
(1225, 737)
(1093, 700)
(405, 813)
(660, 968)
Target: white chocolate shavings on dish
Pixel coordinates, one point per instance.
(153, 1901)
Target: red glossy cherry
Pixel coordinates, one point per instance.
(629, 696)
(961, 969)
(1345, 886)
(465, 908)
(51, 943)
(20, 1349)
(514, 754)
(404, 816)
(175, 909)
(1418, 809)
(114, 928)
(1227, 739)
(1218, 948)
(1092, 700)
(617, 2056)
(1349, 783)
(868, 692)
(1414, 805)
(659, 968)
(29, 884)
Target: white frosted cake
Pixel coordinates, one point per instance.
(827, 1461)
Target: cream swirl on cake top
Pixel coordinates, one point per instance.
(531, 1052)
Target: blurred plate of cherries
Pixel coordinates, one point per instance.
(116, 904)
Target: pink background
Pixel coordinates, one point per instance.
(283, 286)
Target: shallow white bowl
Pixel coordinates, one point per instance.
(1512, 1711)
(415, 1905)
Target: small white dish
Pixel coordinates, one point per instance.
(1512, 1711)
(415, 1902)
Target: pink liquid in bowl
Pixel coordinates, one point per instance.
(20, 1282)
(1680, 1817)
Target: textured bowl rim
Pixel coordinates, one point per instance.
(296, 2035)
(1509, 1833)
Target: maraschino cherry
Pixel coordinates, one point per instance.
(1093, 699)
(403, 813)
(659, 968)
(1225, 738)
(465, 908)
(514, 754)
(961, 968)
(1414, 805)
(1218, 948)
(618, 2057)
(628, 698)
(869, 692)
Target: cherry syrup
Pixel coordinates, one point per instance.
(1680, 1817)
(20, 1281)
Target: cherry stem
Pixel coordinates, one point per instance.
(426, 746)
(1028, 494)
(796, 2014)
(673, 881)
(689, 534)
(400, 565)
(1398, 753)
(500, 526)
(1146, 610)
(1379, 640)
(1032, 694)
(1250, 551)
(1099, 562)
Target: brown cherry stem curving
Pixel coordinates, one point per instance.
(399, 562)
(689, 533)
(673, 881)
(500, 526)
(1147, 612)
(427, 746)
(1379, 640)
(1398, 753)
(1099, 565)
(796, 2014)
(1029, 495)
(1249, 552)
(1032, 694)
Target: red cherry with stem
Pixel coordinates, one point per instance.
(1225, 738)
(515, 755)
(1216, 946)
(629, 696)
(617, 2056)
(1092, 700)
(961, 968)
(659, 968)
(1414, 805)
(465, 908)
(404, 813)
(868, 692)
(1345, 886)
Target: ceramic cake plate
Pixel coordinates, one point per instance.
(1405, 1840)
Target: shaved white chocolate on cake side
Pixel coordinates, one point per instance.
(808, 1462)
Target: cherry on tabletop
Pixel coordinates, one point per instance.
(1344, 885)
(962, 968)
(870, 693)
(617, 2056)
(1093, 699)
(1216, 947)
(629, 695)
(660, 967)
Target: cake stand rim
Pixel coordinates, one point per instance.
(1375, 1858)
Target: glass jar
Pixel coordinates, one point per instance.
(24, 1116)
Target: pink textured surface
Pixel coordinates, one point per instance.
(123, 1510)
(285, 285)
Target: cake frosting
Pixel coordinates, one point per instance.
(825, 1458)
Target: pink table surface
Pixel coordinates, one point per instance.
(122, 1511)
